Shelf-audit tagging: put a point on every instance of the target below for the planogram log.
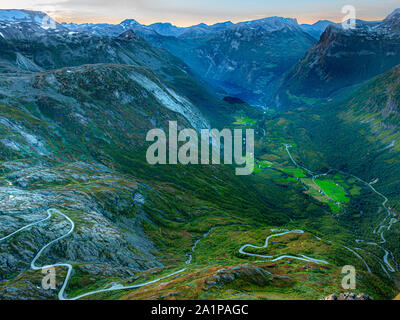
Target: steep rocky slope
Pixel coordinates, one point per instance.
(377, 103)
(341, 59)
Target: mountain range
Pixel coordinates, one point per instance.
(370, 49)
(76, 191)
(220, 53)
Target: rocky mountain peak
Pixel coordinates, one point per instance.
(322, 23)
(392, 22)
(226, 23)
(129, 22)
(27, 17)
(394, 14)
(315, 30)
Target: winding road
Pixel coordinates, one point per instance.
(360, 257)
(271, 258)
(61, 294)
(313, 174)
(26, 227)
(69, 266)
(34, 267)
(115, 287)
(382, 227)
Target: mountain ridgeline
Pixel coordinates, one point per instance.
(341, 60)
(76, 103)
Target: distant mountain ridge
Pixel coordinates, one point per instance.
(315, 30)
(170, 30)
(196, 45)
(245, 59)
(163, 29)
(167, 29)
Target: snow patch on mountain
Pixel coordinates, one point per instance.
(13, 15)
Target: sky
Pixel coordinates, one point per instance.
(191, 12)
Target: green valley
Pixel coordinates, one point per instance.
(78, 194)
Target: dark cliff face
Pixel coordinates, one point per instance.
(343, 58)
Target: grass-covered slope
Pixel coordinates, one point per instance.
(354, 145)
(377, 103)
